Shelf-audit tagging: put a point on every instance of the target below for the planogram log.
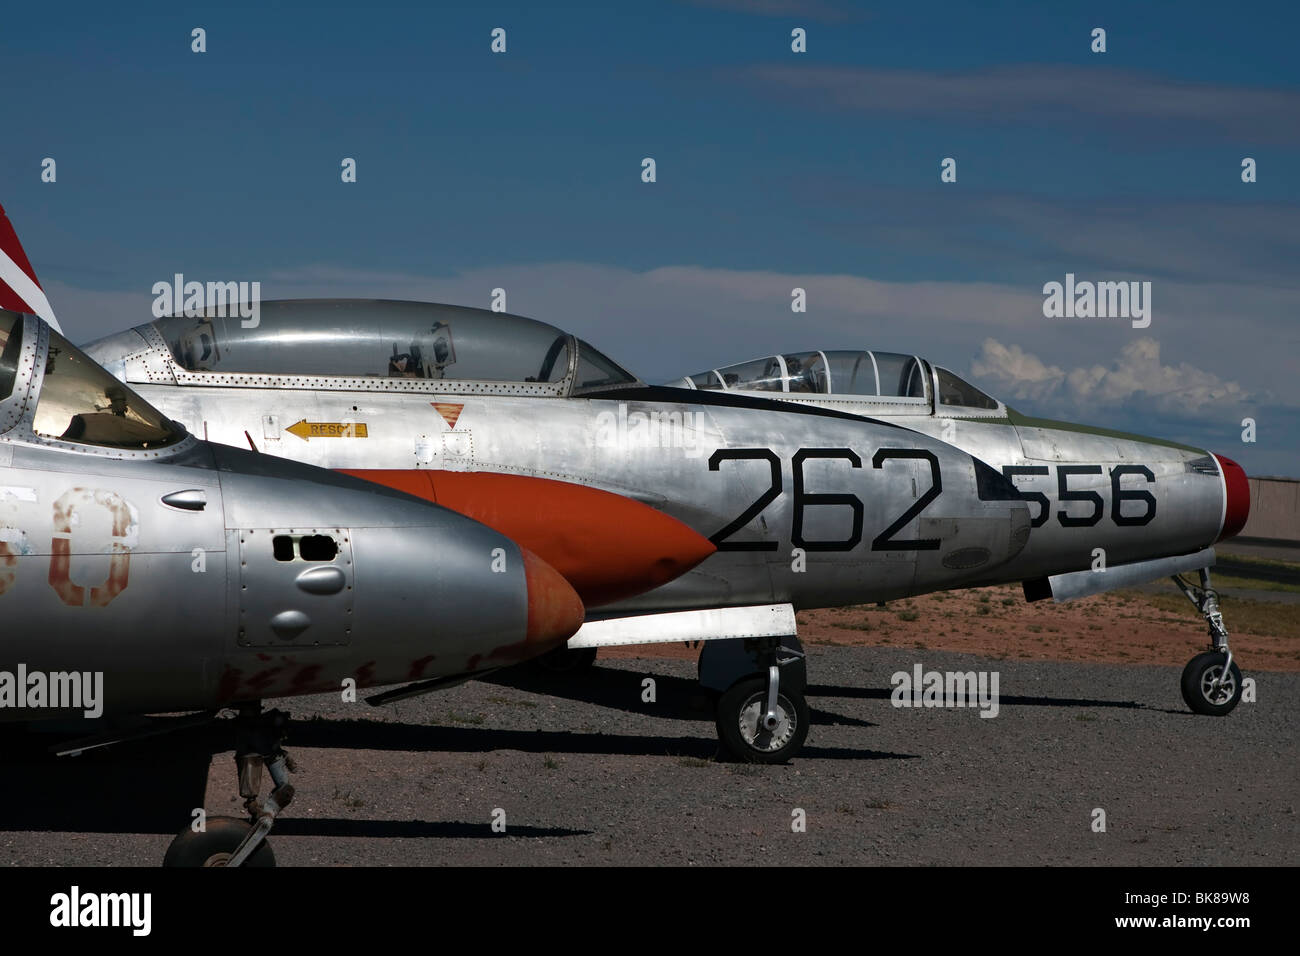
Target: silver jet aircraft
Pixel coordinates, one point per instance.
(1110, 509)
(801, 507)
(144, 571)
(806, 507)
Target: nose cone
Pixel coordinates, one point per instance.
(1236, 491)
(555, 611)
(607, 546)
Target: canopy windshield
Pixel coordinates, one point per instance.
(11, 343)
(377, 339)
(958, 392)
(81, 402)
(597, 370)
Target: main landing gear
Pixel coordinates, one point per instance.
(761, 713)
(225, 841)
(1211, 681)
(757, 688)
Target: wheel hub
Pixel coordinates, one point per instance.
(1217, 685)
(751, 723)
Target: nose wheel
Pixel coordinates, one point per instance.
(1211, 682)
(217, 845)
(225, 841)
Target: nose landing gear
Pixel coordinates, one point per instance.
(225, 841)
(1211, 682)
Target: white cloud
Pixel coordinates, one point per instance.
(1016, 372)
(1136, 375)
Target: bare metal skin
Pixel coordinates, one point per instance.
(193, 575)
(690, 468)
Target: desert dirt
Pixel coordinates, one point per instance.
(1125, 627)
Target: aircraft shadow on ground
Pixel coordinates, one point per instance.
(676, 698)
(1005, 700)
(384, 735)
(411, 829)
(146, 787)
(153, 785)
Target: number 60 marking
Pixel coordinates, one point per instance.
(60, 576)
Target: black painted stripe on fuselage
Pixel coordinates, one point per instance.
(667, 395)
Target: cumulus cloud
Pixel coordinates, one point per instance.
(1136, 375)
(1016, 372)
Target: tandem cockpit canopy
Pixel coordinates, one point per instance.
(381, 345)
(63, 396)
(850, 374)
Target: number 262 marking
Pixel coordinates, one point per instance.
(803, 499)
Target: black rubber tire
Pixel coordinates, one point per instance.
(561, 660)
(215, 845)
(741, 696)
(1193, 684)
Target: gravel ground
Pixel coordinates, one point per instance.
(591, 774)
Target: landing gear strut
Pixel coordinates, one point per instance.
(225, 841)
(1211, 682)
(762, 715)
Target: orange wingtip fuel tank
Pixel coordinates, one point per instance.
(554, 615)
(607, 547)
(554, 610)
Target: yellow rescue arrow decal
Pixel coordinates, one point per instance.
(308, 430)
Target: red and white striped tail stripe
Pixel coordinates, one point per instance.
(19, 289)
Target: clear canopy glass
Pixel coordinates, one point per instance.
(372, 338)
(11, 343)
(81, 402)
(849, 373)
(955, 391)
(823, 373)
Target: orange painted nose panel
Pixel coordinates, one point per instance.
(607, 546)
(555, 611)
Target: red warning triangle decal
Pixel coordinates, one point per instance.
(450, 412)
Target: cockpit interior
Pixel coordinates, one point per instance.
(72, 399)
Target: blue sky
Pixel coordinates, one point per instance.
(775, 169)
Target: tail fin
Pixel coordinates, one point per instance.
(19, 290)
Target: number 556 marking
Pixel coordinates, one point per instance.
(1065, 495)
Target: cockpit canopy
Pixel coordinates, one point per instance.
(11, 344)
(383, 340)
(887, 376)
(70, 397)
